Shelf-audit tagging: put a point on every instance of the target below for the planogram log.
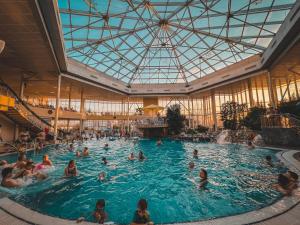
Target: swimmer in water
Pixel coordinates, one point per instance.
(203, 178)
(141, 215)
(46, 161)
(104, 161)
(195, 154)
(71, 169)
(99, 214)
(71, 148)
(85, 152)
(141, 156)
(78, 154)
(102, 176)
(7, 178)
(250, 145)
(191, 165)
(159, 142)
(131, 156)
(105, 146)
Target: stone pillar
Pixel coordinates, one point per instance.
(213, 109)
(81, 111)
(271, 91)
(249, 85)
(57, 106)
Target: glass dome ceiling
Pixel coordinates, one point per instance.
(167, 41)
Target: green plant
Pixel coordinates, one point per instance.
(174, 119)
(231, 114)
(252, 120)
(201, 129)
(292, 107)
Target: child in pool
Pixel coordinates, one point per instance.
(71, 169)
(99, 213)
(46, 161)
(203, 178)
(141, 215)
(104, 161)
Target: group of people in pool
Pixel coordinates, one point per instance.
(141, 215)
(14, 174)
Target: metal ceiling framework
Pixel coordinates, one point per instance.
(168, 41)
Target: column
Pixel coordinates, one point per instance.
(22, 85)
(271, 91)
(213, 109)
(81, 110)
(69, 105)
(193, 113)
(189, 109)
(128, 114)
(249, 85)
(57, 106)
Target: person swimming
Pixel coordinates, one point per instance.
(102, 176)
(99, 214)
(7, 178)
(250, 145)
(105, 146)
(71, 169)
(46, 161)
(269, 161)
(141, 215)
(283, 185)
(191, 165)
(71, 148)
(203, 178)
(78, 154)
(85, 152)
(195, 154)
(104, 161)
(159, 142)
(131, 156)
(21, 162)
(141, 156)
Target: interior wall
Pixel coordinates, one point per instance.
(7, 128)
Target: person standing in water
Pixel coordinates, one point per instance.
(71, 169)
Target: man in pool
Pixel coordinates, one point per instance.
(71, 148)
(85, 152)
(269, 161)
(99, 214)
(71, 170)
(141, 215)
(7, 178)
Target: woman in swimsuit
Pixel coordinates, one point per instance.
(71, 169)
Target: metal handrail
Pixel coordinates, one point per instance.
(24, 109)
(284, 120)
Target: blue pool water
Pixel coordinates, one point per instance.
(239, 181)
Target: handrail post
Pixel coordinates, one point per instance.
(57, 106)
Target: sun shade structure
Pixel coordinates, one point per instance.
(168, 41)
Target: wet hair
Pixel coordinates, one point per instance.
(205, 172)
(142, 204)
(195, 151)
(103, 158)
(283, 180)
(268, 158)
(70, 162)
(6, 171)
(86, 148)
(100, 203)
(293, 175)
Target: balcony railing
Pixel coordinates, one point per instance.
(24, 110)
(280, 121)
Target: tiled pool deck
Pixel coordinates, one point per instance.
(284, 212)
